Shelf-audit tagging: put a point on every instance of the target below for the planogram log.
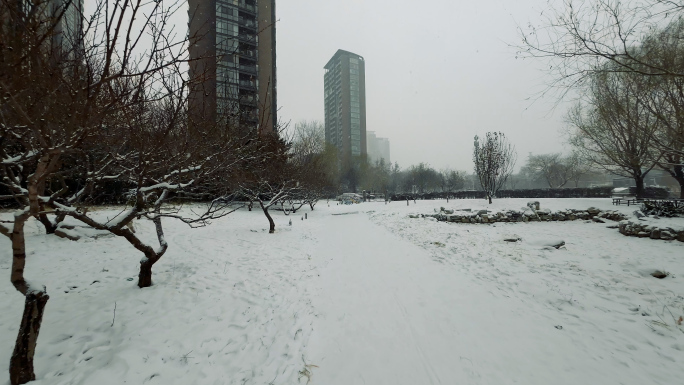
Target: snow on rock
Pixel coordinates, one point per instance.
(667, 229)
(546, 243)
(525, 214)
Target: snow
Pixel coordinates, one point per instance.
(371, 296)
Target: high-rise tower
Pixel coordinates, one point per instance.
(345, 105)
(233, 62)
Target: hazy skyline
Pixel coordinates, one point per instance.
(436, 74)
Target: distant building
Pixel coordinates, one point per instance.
(378, 148)
(64, 17)
(233, 60)
(68, 32)
(345, 105)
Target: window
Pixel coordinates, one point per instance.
(226, 28)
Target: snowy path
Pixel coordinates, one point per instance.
(372, 297)
(390, 314)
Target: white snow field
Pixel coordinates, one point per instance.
(368, 297)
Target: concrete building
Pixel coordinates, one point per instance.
(345, 105)
(233, 62)
(378, 148)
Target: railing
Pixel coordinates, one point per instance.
(247, 53)
(248, 7)
(247, 39)
(247, 84)
(248, 69)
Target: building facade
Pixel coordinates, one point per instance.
(233, 62)
(345, 104)
(378, 148)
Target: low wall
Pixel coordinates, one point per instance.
(525, 215)
(647, 230)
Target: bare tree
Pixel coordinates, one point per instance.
(308, 140)
(665, 97)
(62, 106)
(451, 181)
(613, 129)
(494, 161)
(553, 168)
(577, 38)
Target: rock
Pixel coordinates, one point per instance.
(659, 274)
(643, 234)
(482, 212)
(593, 210)
(448, 211)
(63, 232)
(666, 235)
(512, 238)
(680, 236)
(639, 214)
(534, 205)
(545, 243)
(558, 244)
(597, 220)
(655, 233)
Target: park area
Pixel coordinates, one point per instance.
(369, 293)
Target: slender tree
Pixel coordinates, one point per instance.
(494, 160)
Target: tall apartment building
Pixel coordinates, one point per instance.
(233, 62)
(345, 104)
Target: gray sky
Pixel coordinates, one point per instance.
(437, 73)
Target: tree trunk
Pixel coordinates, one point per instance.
(678, 174)
(49, 226)
(639, 179)
(271, 224)
(145, 275)
(489, 196)
(21, 363)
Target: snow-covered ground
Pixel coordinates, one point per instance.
(369, 297)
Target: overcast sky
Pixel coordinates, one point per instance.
(437, 73)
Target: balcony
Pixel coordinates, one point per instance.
(247, 7)
(248, 102)
(249, 39)
(247, 22)
(248, 53)
(248, 69)
(248, 85)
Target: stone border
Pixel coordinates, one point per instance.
(524, 215)
(643, 230)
